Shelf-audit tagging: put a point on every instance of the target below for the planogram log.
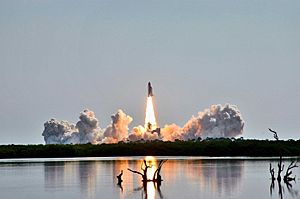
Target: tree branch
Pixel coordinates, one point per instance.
(288, 172)
(274, 134)
(137, 172)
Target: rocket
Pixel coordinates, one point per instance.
(150, 92)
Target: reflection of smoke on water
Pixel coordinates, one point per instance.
(88, 172)
(97, 179)
(58, 175)
(90, 179)
(217, 176)
(54, 173)
(222, 176)
(228, 175)
(127, 178)
(62, 175)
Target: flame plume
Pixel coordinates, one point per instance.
(150, 120)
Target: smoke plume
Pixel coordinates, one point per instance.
(216, 121)
(140, 133)
(118, 130)
(60, 132)
(88, 128)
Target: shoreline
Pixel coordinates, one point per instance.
(208, 148)
(134, 158)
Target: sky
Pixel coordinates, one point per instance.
(60, 57)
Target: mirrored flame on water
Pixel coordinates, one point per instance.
(150, 172)
(151, 161)
(150, 120)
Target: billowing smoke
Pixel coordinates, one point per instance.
(140, 133)
(88, 128)
(118, 130)
(216, 121)
(60, 132)
(171, 133)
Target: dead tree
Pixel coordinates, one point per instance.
(274, 134)
(280, 165)
(144, 174)
(280, 169)
(119, 177)
(156, 175)
(287, 177)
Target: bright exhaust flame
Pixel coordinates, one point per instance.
(150, 120)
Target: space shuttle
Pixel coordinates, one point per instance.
(150, 91)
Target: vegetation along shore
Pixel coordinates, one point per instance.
(208, 147)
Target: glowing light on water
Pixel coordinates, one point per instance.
(151, 161)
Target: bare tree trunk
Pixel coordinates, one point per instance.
(280, 169)
(144, 174)
(119, 177)
(137, 172)
(156, 175)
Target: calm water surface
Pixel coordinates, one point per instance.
(183, 177)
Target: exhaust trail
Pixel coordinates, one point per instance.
(215, 121)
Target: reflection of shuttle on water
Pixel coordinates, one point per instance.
(150, 92)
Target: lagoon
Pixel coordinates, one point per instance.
(183, 177)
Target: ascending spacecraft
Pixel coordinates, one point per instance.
(150, 92)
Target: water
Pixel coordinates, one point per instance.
(183, 177)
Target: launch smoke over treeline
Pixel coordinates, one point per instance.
(216, 121)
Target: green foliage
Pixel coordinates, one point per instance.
(207, 147)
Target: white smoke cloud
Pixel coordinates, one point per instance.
(118, 130)
(88, 127)
(60, 132)
(86, 130)
(171, 133)
(140, 133)
(217, 121)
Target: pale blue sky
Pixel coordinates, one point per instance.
(59, 57)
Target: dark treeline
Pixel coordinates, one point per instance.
(208, 147)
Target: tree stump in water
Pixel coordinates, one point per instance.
(119, 177)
